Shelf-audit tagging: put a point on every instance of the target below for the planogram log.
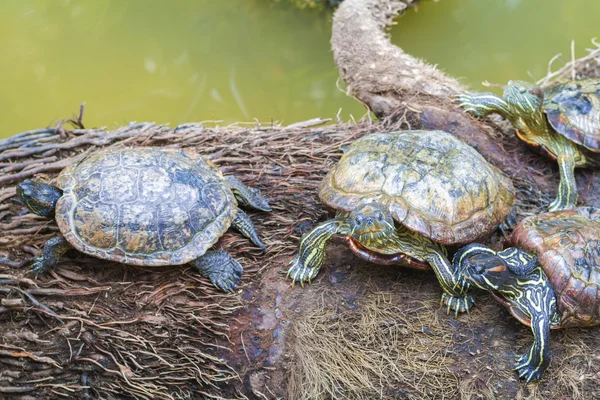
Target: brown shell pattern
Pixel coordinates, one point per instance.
(432, 182)
(568, 246)
(144, 206)
(573, 110)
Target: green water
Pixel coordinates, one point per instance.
(236, 60)
(165, 61)
(498, 40)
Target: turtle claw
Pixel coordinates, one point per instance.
(40, 266)
(467, 102)
(300, 273)
(226, 283)
(529, 369)
(457, 304)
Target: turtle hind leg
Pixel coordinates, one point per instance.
(248, 196)
(244, 225)
(53, 249)
(222, 270)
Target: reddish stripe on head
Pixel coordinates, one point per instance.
(498, 268)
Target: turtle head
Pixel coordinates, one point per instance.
(371, 222)
(39, 198)
(481, 266)
(526, 99)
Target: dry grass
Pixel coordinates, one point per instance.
(396, 343)
(385, 348)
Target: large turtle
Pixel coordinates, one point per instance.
(146, 206)
(549, 279)
(400, 197)
(562, 121)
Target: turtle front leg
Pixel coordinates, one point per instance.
(247, 196)
(53, 250)
(311, 252)
(222, 269)
(453, 284)
(518, 261)
(535, 297)
(482, 104)
(531, 365)
(244, 225)
(567, 188)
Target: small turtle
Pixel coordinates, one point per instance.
(550, 279)
(562, 121)
(146, 206)
(400, 197)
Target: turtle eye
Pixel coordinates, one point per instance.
(479, 269)
(358, 219)
(522, 89)
(379, 216)
(535, 91)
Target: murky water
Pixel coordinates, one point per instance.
(235, 60)
(165, 61)
(498, 40)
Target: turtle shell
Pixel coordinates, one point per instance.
(432, 183)
(568, 246)
(144, 206)
(573, 110)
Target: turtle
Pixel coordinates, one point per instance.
(561, 121)
(400, 198)
(146, 206)
(548, 278)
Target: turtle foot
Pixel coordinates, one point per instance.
(467, 102)
(301, 273)
(457, 304)
(222, 269)
(41, 265)
(529, 369)
(53, 250)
